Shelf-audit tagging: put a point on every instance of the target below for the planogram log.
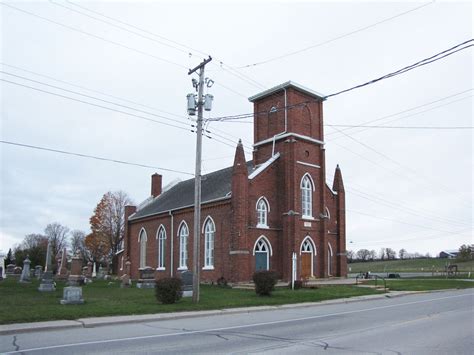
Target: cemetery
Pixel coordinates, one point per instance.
(33, 294)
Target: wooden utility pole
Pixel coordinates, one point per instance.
(197, 182)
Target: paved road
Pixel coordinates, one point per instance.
(429, 323)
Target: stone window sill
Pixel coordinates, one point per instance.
(262, 226)
(185, 268)
(208, 268)
(160, 269)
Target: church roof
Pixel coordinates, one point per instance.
(287, 85)
(214, 186)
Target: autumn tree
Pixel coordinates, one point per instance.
(97, 247)
(108, 223)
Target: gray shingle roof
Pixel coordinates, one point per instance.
(215, 185)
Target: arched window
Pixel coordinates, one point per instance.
(209, 236)
(183, 246)
(142, 240)
(307, 196)
(161, 237)
(262, 212)
(262, 251)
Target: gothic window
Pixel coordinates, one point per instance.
(262, 213)
(209, 237)
(307, 196)
(183, 246)
(161, 236)
(142, 241)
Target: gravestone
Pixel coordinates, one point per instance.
(25, 274)
(62, 271)
(38, 271)
(75, 277)
(88, 272)
(101, 273)
(94, 272)
(147, 278)
(17, 272)
(72, 295)
(187, 279)
(126, 282)
(10, 269)
(2, 267)
(47, 283)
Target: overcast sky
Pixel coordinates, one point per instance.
(406, 188)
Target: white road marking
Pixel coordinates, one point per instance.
(236, 326)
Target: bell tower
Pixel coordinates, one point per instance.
(288, 109)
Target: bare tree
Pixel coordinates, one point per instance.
(363, 254)
(373, 255)
(78, 244)
(108, 221)
(402, 253)
(57, 235)
(391, 254)
(350, 256)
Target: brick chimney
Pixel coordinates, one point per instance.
(156, 185)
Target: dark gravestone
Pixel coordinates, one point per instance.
(147, 278)
(38, 271)
(187, 279)
(17, 272)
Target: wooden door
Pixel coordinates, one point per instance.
(306, 264)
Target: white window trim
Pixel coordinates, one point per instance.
(267, 204)
(206, 221)
(312, 189)
(266, 241)
(141, 256)
(181, 225)
(161, 227)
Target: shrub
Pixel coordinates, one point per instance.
(221, 282)
(168, 290)
(298, 284)
(265, 282)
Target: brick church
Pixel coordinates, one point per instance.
(255, 214)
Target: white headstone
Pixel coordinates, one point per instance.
(2, 265)
(94, 272)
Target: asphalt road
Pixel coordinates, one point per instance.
(429, 323)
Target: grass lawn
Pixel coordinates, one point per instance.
(424, 284)
(24, 303)
(409, 265)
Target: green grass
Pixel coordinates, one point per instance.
(409, 265)
(424, 284)
(24, 303)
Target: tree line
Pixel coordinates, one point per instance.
(101, 245)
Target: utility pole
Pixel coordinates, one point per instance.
(197, 181)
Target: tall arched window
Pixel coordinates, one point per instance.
(209, 237)
(307, 197)
(142, 241)
(262, 251)
(183, 246)
(161, 237)
(262, 213)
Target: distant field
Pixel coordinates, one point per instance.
(409, 265)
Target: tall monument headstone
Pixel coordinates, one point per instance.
(47, 283)
(2, 267)
(76, 277)
(62, 273)
(26, 272)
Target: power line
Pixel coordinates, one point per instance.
(94, 98)
(96, 36)
(108, 95)
(92, 157)
(401, 127)
(333, 39)
(190, 50)
(418, 64)
(105, 107)
(93, 104)
(91, 90)
(436, 57)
